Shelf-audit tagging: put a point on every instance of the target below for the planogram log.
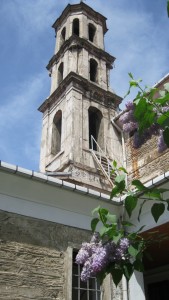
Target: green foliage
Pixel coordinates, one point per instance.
(168, 7)
(111, 230)
(157, 210)
(130, 204)
(152, 108)
(117, 274)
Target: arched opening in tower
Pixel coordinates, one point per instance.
(75, 27)
(95, 128)
(60, 73)
(91, 32)
(93, 70)
(56, 133)
(62, 36)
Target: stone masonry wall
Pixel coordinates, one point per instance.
(32, 255)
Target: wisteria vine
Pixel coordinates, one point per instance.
(96, 255)
(110, 250)
(130, 125)
(147, 115)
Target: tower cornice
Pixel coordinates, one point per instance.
(85, 9)
(88, 88)
(76, 41)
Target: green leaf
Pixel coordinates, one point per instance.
(123, 169)
(168, 8)
(120, 178)
(130, 204)
(95, 210)
(163, 99)
(119, 188)
(132, 236)
(103, 211)
(140, 210)
(114, 192)
(133, 250)
(128, 270)
(163, 120)
(141, 108)
(112, 231)
(116, 275)
(116, 238)
(141, 228)
(157, 210)
(111, 218)
(94, 223)
(138, 266)
(103, 215)
(154, 194)
(137, 183)
(131, 75)
(103, 230)
(166, 136)
(126, 223)
(114, 163)
(133, 83)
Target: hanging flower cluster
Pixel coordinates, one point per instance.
(111, 251)
(96, 255)
(130, 125)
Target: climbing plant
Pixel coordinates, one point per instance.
(113, 249)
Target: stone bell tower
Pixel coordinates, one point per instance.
(77, 131)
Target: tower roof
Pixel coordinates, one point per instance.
(81, 7)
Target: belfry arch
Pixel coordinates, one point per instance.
(93, 67)
(96, 128)
(56, 133)
(75, 28)
(60, 73)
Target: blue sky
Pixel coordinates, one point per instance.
(138, 37)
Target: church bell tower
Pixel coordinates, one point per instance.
(77, 131)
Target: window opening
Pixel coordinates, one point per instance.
(95, 128)
(89, 290)
(62, 36)
(93, 70)
(92, 30)
(56, 133)
(76, 26)
(60, 73)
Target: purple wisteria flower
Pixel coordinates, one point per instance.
(165, 109)
(95, 238)
(127, 117)
(87, 271)
(99, 259)
(130, 126)
(124, 244)
(130, 105)
(96, 255)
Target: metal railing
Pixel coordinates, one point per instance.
(99, 155)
